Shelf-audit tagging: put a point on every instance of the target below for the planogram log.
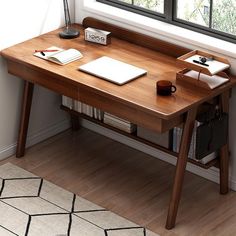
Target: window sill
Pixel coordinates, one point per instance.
(164, 31)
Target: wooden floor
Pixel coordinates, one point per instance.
(130, 183)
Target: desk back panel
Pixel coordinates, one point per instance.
(137, 38)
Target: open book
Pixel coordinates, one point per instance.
(61, 56)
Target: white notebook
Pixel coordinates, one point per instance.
(112, 70)
(61, 56)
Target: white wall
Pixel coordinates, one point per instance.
(19, 21)
(211, 174)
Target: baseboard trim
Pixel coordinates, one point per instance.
(211, 174)
(36, 137)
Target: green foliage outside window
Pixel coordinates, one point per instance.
(216, 15)
(224, 16)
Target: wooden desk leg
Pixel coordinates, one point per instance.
(24, 119)
(180, 168)
(224, 151)
(75, 122)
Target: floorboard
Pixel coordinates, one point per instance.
(130, 183)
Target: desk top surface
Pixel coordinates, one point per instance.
(139, 93)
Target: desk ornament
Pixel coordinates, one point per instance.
(97, 36)
(68, 32)
(203, 70)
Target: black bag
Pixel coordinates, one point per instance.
(212, 135)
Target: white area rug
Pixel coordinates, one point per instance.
(32, 206)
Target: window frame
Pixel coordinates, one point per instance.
(133, 8)
(170, 16)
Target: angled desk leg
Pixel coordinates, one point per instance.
(24, 119)
(224, 151)
(75, 122)
(180, 167)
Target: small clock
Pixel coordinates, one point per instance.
(97, 36)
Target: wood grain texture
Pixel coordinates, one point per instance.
(224, 151)
(140, 94)
(130, 183)
(136, 101)
(180, 167)
(24, 121)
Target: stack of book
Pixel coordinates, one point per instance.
(81, 107)
(67, 102)
(119, 123)
(177, 134)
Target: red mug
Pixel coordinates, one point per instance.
(165, 87)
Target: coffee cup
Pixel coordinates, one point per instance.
(165, 87)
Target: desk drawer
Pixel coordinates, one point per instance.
(90, 96)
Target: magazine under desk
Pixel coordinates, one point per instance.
(137, 101)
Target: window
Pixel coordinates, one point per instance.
(213, 17)
(155, 6)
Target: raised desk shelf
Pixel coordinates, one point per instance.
(135, 137)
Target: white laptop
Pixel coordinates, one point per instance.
(112, 70)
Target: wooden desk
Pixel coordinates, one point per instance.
(136, 101)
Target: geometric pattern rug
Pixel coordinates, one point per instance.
(32, 206)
